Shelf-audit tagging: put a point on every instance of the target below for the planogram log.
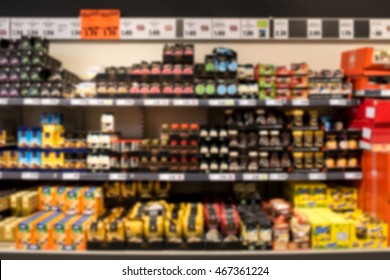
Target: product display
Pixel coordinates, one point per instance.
(259, 156)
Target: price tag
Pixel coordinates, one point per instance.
(71, 176)
(25, 27)
(273, 102)
(67, 28)
(186, 102)
(4, 101)
(50, 101)
(100, 24)
(281, 28)
(317, 176)
(255, 177)
(156, 102)
(117, 177)
(370, 112)
(171, 177)
(31, 101)
(346, 29)
(278, 176)
(125, 102)
(226, 28)
(353, 175)
(30, 176)
(379, 29)
(195, 28)
(337, 102)
(366, 133)
(100, 102)
(314, 28)
(300, 102)
(1, 175)
(254, 28)
(247, 102)
(78, 102)
(221, 102)
(384, 92)
(222, 177)
(5, 24)
(148, 28)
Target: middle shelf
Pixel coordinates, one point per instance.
(180, 177)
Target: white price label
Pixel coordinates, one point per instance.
(1, 175)
(30, 175)
(370, 112)
(314, 28)
(254, 28)
(31, 101)
(25, 27)
(281, 28)
(255, 177)
(171, 177)
(337, 102)
(5, 24)
(117, 177)
(221, 102)
(50, 101)
(186, 102)
(3, 101)
(366, 133)
(353, 175)
(71, 176)
(300, 102)
(278, 176)
(273, 102)
(346, 29)
(125, 102)
(379, 29)
(317, 176)
(100, 102)
(226, 28)
(247, 102)
(195, 28)
(384, 92)
(156, 102)
(148, 28)
(78, 102)
(222, 177)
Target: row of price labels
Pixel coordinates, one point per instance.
(226, 28)
(108, 25)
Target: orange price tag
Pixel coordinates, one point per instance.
(100, 24)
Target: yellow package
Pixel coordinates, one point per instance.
(74, 201)
(93, 202)
(5, 202)
(62, 239)
(342, 198)
(2, 227)
(340, 228)
(45, 231)
(79, 233)
(25, 231)
(97, 230)
(16, 203)
(128, 190)
(350, 197)
(49, 136)
(318, 194)
(112, 189)
(321, 236)
(29, 203)
(10, 230)
(115, 231)
(301, 195)
(193, 222)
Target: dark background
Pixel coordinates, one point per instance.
(200, 8)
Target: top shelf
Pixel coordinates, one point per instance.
(215, 29)
(176, 102)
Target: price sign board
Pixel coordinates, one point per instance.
(100, 24)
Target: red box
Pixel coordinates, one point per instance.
(356, 61)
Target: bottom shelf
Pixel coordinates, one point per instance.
(8, 251)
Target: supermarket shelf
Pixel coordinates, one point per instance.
(373, 93)
(184, 177)
(175, 102)
(8, 251)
